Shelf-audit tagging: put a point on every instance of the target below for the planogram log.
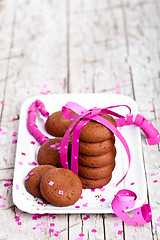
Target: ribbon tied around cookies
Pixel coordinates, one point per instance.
(82, 117)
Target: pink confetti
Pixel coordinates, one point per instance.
(153, 174)
(32, 142)
(26, 178)
(20, 163)
(61, 83)
(52, 224)
(87, 217)
(115, 224)
(23, 153)
(43, 229)
(158, 224)
(120, 232)
(79, 238)
(114, 215)
(31, 173)
(57, 144)
(14, 140)
(10, 179)
(102, 189)
(2, 102)
(32, 164)
(3, 205)
(14, 134)
(104, 90)
(55, 232)
(124, 80)
(87, 88)
(155, 181)
(44, 85)
(158, 219)
(51, 183)
(77, 206)
(84, 71)
(50, 230)
(102, 199)
(60, 192)
(81, 235)
(132, 183)
(94, 230)
(81, 197)
(38, 224)
(53, 217)
(43, 223)
(17, 186)
(1, 197)
(152, 111)
(117, 86)
(19, 223)
(92, 190)
(7, 184)
(14, 119)
(52, 146)
(85, 205)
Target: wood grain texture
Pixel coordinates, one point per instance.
(78, 46)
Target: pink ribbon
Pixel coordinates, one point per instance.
(124, 200)
(31, 121)
(146, 126)
(84, 116)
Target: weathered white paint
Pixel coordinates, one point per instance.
(78, 46)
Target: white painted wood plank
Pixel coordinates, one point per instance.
(38, 63)
(144, 60)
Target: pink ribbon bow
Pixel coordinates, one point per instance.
(124, 200)
(83, 117)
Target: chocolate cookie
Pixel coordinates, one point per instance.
(96, 173)
(95, 183)
(96, 132)
(96, 148)
(48, 153)
(61, 187)
(97, 161)
(57, 124)
(33, 178)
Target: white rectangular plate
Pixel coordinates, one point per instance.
(98, 201)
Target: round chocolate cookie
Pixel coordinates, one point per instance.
(96, 132)
(48, 153)
(33, 178)
(57, 124)
(97, 161)
(95, 183)
(96, 148)
(61, 187)
(96, 173)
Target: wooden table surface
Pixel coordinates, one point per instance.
(77, 46)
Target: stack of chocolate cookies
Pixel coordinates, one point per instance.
(96, 149)
(96, 154)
